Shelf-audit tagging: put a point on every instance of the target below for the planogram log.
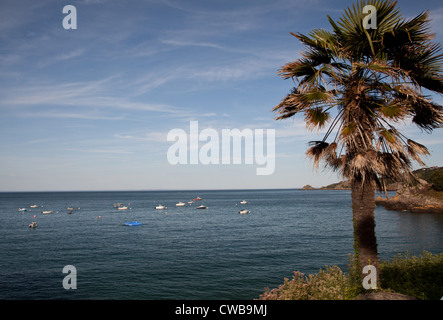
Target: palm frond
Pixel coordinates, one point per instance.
(348, 129)
(392, 111)
(417, 147)
(316, 151)
(426, 115)
(291, 104)
(316, 118)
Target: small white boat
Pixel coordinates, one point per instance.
(190, 202)
(160, 207)
(244, 202)
(243, 211)
(202, 207)
(47, 212)
(122, 208)
(70, 208)
(33, 224)
(34, 206)
(22, 209)
(180, 204)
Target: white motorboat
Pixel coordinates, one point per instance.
(244, 202)
(33, 224)
(123, 208)
(202, 207)
(47, 212)
(160, 207)
(243, 211)
(34, 206)
(22, 209)
(180, 204)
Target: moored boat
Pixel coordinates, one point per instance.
(180, 204)
(133, 223)
(33, 225)
(202, 207)
(160, 207)
(22, 209)
(243, 211)
(47, 212)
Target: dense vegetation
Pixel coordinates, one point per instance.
(420, 277)
(432, 175)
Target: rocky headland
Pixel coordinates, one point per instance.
(426, 196)
(418, 199)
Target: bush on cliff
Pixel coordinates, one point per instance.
(437, 180)
(419, 277)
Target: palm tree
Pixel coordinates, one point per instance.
(360, 84)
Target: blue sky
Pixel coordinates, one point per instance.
(90, 109)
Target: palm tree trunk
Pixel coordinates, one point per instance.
(363, 206)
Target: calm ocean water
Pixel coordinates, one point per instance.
(187, 253)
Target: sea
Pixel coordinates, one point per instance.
(185, 253)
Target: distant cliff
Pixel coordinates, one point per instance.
(433, 176)
(343, 185)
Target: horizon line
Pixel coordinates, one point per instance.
(148, 190)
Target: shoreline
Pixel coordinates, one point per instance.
(411, 204)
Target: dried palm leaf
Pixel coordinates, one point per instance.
(316, 152)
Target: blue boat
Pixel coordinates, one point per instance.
(133, 223)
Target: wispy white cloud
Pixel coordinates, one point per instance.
(436, 16)
(67, 115)
(116, 151)
(99, 94)
(180, 42)
(53, 93)
(157, 136)
(244, 16)
(61, 57)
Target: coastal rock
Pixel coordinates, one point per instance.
(342, 185)
(416, 199)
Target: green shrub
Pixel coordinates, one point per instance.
(328, 284)
(421, 277)
(437, 180)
